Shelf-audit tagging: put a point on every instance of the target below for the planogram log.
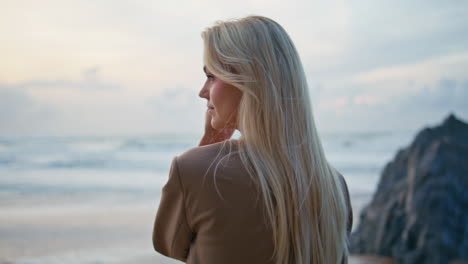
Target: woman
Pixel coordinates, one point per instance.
(271, 196)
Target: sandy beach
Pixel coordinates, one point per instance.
(73, 232)
(77, 234)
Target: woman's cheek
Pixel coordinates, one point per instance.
(216, 96)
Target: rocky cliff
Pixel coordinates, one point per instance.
(419, 212)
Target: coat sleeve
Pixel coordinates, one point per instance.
(350, 209)
(349, 223)
(171, 233)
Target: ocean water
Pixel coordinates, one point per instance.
(46, 177)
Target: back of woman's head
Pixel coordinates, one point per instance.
(280, 146)
(256, 55)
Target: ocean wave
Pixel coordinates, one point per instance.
(78, 163)
(5, 160)
(152, 145)
(53, 189)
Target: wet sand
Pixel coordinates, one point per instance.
(77, 235)
(370, 260)
(86, 234)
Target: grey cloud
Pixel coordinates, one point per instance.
(387, 33)
(21, 114)
(446, 94)
(430, 104)
(179, 110)
(411, 111)
(90, 81)
(175, 98)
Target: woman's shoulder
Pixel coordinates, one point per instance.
(201, 157)
(207, 150)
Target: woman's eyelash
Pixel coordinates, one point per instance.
(209, 76)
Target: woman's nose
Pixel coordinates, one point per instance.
(204, 92)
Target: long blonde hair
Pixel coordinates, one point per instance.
(280, 146)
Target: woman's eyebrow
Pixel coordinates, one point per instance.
(204, 69)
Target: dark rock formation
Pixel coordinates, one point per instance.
(419, 212)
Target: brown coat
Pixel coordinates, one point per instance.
(207, 220)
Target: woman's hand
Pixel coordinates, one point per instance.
(212, 135)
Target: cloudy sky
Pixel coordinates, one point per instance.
(116, 67)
